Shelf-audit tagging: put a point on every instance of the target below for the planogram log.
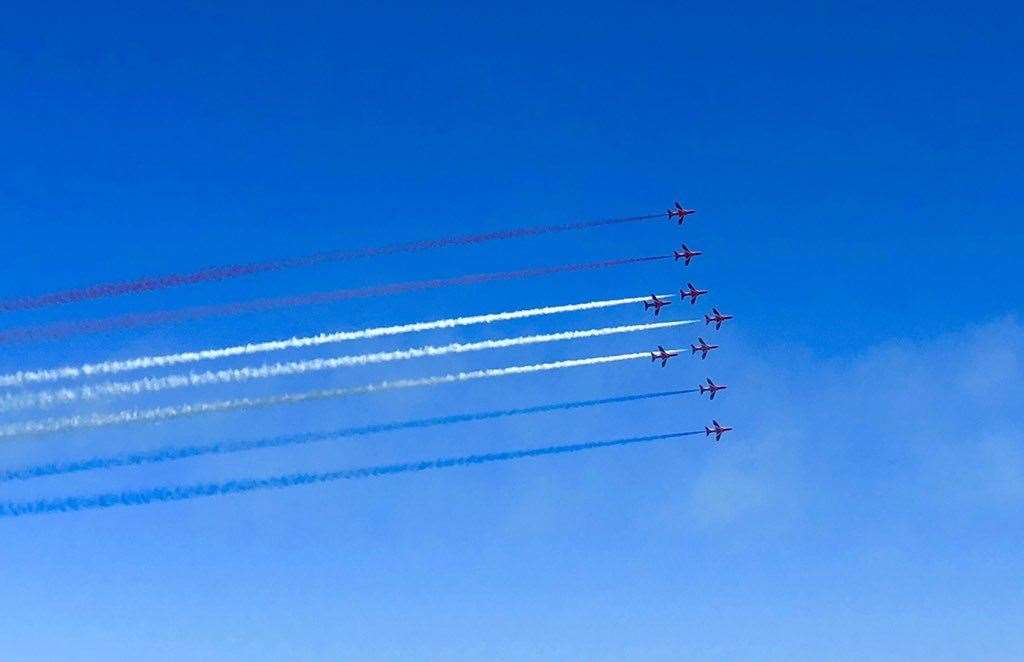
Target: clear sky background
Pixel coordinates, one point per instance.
(858, 174)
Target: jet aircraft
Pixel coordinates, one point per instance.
(717, 318)
(686, 255)
(717, 430)
(692, 292)
(662, 355)
(711, 388)
(679, 212)
(702, 347)
(656, 303)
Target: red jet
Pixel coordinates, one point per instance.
(662, 355)
(692, 292)
(656, 303)
(680, 213)
(718, 431)
(702, 347)
(686, 255)
(711, 388)
(717, 318)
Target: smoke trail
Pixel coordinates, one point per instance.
(184, 452)
(111, 367)
(10, 402)
(62, 329)
(241, 486)
(236, 270)
(51, 425)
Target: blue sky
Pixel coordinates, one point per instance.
(858, 177)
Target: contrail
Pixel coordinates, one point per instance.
(62, 329)
(9, 402)
(244, 485)
(184, 452)
(111, 367)
(52, 425)
(236, 270)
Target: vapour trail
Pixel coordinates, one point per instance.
(162, 361)
(10, 402)
(76, 327)
(241, 486)
(244, 269)
(52, 425)
(170, 454)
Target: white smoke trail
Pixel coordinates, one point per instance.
(111, 367)
(154, 384)
(52, 425)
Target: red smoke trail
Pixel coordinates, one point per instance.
(236, 270)
(62, 329)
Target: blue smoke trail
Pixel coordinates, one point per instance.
(163, 494)
(185, 452)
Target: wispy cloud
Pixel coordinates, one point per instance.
(930, 422)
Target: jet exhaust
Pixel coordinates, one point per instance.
(10, 402)
(54, 425)
(245, 485)
(78, 327)
(161, 361)
(184, 452)
(237, 270)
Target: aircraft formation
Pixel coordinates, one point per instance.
(715, 317)
(73, 385)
